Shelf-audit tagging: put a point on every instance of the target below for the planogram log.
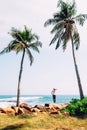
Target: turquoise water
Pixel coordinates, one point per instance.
(10, 100)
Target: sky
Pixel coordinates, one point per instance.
(51, 68)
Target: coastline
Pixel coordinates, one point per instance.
(10, 100)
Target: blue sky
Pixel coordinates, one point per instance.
(50, 68)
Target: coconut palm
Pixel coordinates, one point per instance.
(23, 41)
(64, 26)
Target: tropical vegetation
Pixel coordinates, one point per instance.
(77, 107)
(65, 29)
(23, 41)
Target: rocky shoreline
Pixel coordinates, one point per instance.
(27, 109)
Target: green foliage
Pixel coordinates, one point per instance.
(64, 24)
(77, 107)
(23, 40)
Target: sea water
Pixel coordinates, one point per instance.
(10, 100)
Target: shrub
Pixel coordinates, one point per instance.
(77, 107)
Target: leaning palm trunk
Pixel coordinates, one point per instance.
(77, 72)
(19, 79)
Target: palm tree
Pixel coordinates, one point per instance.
(64, 27)
(23, 41)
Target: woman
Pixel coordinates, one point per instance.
(54, 95)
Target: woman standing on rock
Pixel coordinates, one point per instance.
(54, 95)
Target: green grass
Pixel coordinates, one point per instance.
(41, 122)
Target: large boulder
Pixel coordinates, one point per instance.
(26, 106)
(58, 106)
(41, 108)
(23, 111)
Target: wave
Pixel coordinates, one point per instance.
(7, 99)
(11, 101)
(30, 98)
(6, 104)
(21, 98)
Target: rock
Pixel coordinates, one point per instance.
(54, 112)
(36, 110)
(41, 108)
(2, 110)
(15, 109)
(8, 110)
(26, 106)
(20, 111)
(26, 111)
(58, 106)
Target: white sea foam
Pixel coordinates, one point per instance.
(22, 98)
(11, 101)
(6, 104)
(29, 98)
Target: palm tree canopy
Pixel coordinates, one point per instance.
(64, 24)
(23, 40)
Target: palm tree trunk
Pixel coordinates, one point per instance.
(77, 72)
(19, 79)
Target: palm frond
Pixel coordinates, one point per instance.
(5, 50)
(72, 9)
(30, 56)
(67, 9)
(59, 40)
(25, 33)
(59, 3)
(9, 48)
(58, 43)
(14, 33)
(35, 45)
(35, 48)
(64, 43)
(76, 38)
(58, 33)
(58, 27)
(63, 9)
(17, 47)
(51, 21)
(65, 40)
(81, 18)
(38, 43)
(32, 37)
(54, 38)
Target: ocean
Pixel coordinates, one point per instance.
(10, 100)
